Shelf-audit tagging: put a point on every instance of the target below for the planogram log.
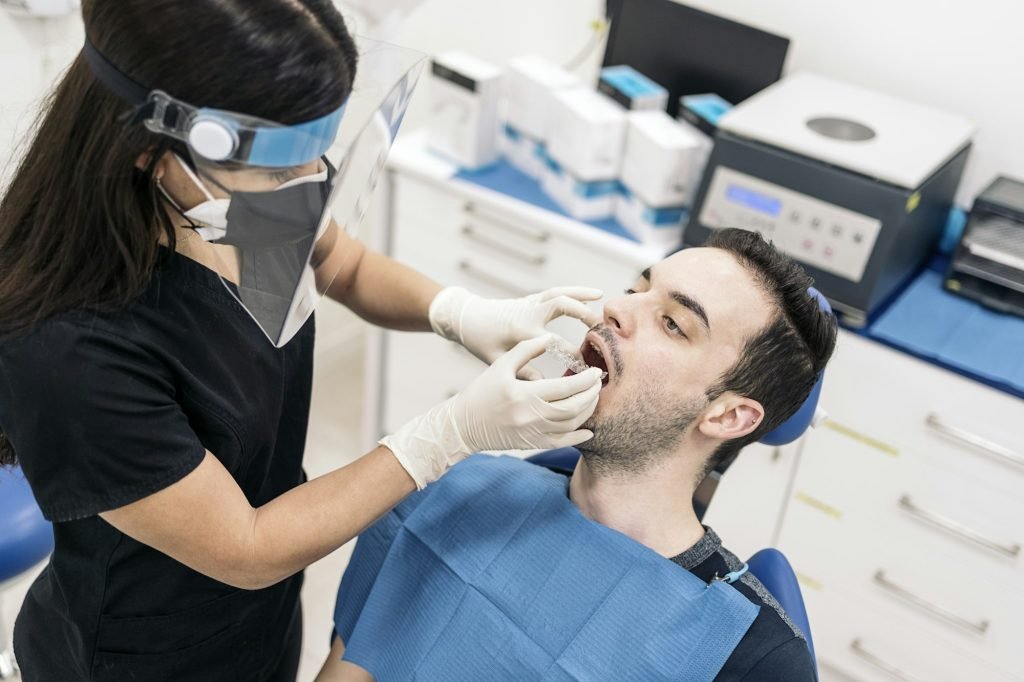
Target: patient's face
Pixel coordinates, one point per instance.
(668, 339)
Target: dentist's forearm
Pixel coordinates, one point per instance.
(386, 293)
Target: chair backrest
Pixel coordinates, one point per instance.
(26, 538)
(771, 567)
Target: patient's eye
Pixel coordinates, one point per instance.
(629, 291)
(674, 328)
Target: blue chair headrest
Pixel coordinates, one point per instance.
(794, 427)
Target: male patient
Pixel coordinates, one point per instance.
(711, 349)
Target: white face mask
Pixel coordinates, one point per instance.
(211, 216)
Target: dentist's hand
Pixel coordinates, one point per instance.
(497, 411)
(490, 327)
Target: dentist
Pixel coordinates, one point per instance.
(177, 216)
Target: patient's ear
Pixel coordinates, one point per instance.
(731, 416)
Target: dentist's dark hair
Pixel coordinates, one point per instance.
(80, 220)
(779, 365)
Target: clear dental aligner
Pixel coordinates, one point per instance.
(570, 361)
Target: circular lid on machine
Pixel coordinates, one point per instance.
(845, 125)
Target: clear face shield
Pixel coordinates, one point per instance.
(276, 195)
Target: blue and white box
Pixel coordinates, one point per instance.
(632, 89)
(587, 134)
(582, 199)
(660, 227)
(530, 85)
(663, 159)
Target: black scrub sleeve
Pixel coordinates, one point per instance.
(93, 419)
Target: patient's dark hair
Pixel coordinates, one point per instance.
(778, 366)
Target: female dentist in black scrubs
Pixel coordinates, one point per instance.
(162, 246)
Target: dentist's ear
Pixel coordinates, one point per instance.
(731, 416)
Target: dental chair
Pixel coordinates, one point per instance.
(768, 565)
(25, 540)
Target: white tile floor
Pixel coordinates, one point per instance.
(334, 440)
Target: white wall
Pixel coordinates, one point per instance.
(961, 55)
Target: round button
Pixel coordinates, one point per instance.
(212, 139)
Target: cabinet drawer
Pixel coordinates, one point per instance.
(869, 641)
(909, 406)
(959, 599)
(859, 481)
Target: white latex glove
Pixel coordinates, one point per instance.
(497, 411)
(489, 327)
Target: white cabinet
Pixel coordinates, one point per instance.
(907, 540)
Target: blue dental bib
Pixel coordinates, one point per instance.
(493, 574)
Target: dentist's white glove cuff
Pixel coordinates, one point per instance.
(429, 445)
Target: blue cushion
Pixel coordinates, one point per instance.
(773, 570)
(26, 538)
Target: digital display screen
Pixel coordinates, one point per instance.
(751, 199)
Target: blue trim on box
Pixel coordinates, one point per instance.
(631, 83)
(595, 190)
(710, 107)
(506, 179)
(665, 217)
(512, 133)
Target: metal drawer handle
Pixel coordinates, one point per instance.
(487, 278)
(470, 232)
(540, 236)
(980, 627)
(996, 450)
(858, 649)
(958, 529)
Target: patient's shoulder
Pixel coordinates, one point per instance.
(774, 648)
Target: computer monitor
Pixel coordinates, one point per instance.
(692, 52)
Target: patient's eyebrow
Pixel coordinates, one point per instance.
(694, 306)
(688, 302)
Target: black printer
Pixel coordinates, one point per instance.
(988, 264)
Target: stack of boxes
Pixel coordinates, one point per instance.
(584, 151)
(660, 171)
(599, 154)
(531, 85)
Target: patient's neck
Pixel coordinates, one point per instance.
(654, 507)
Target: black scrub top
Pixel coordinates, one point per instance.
(106, 409)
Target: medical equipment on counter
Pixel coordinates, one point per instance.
(689, 51)
(584, 153)
(632, 89)
(530, 84)
(463, 122)
(661, 168)
(854, 184)
(493, 573)
(988, 265)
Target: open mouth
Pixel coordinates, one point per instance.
(593, 355)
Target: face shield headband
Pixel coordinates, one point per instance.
(213, 134)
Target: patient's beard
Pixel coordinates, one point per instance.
(641, 434)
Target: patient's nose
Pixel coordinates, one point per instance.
(617, 315)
